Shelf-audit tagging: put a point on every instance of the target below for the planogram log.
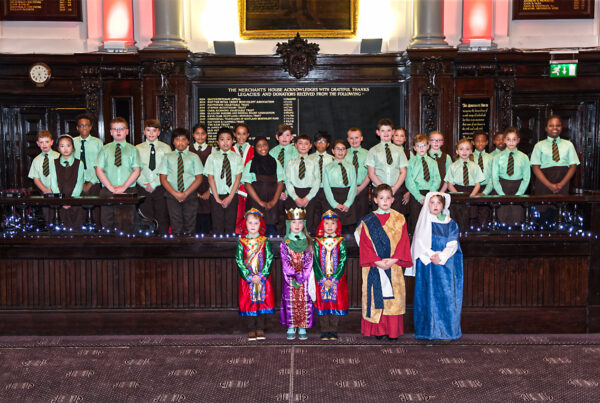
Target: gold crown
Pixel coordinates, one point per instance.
(295, 214)
(253, 211)
(329, 214)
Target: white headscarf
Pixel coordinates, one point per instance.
(422, 236)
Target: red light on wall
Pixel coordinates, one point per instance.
(118, 21)
(477, 20)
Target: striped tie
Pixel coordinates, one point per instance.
(555, 154)
(510, 168)
(321, 167)
(281, 156)
(46, 165)
(226, 172)
(388, 154)
(302, 169)
(426, 174)
(465, 174)
(344, 174)
(118, 155)
(152, 163)
(480, 162)
(180, 173)
(355, 161)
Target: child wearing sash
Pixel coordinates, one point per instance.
(438, 270)
(298, 290)
(330, 274)
(384, 249)
(253, 256)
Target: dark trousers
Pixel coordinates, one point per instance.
(94, 190)
(362, 203)
(120, 217)
(155, 206)
(414, 206)
(182, 214)
(254, 323)
(320, 205)
(203, 223)
(223, 219)
(329, 323)
(72, 217)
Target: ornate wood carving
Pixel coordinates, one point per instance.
(432, 66)
(298, 56)
(91, 83)
(504, 88)
(165, 100)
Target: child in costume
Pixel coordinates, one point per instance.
(298, 289)
(253, 256)
(384, 250)
(438, 268)
(330, 274)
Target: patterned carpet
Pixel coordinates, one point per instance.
(226, 368)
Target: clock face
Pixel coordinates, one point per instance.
(39, 73)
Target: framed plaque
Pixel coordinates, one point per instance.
(553, 9)
(40, 10)
(474, 117)
(284, 18)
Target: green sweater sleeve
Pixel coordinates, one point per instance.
(316, 263)
(239, 259)
(341, 262)
(266, 271)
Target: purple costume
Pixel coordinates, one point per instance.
(296, 304)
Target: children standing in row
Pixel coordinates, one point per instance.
(201, 148)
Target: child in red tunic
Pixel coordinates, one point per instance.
(253, 256)
(330, 274)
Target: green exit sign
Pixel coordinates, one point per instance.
(563, 70)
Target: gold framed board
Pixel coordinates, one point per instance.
(261, 19)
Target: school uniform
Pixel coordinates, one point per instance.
(387, 160)
(339, 186)
(283, 154)
(155, 204)
(496, 151)
(68, 178)
(302, 180)
(443, 160)
(511, 182)
(40, 168)
(223, 219)
(87, 150)
(320, 201)
(484, 160)
(203, 222)
(246, 152)
(182, 215)
(463, 175)
(264, 177)
(422, 177)
(554, 156)
(356, 157)
(117, 171)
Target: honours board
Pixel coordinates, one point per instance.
(307, 109)
(552, 9)
(474, 117)
(41, 10)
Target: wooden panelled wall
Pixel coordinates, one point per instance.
(159, 84)
(63, 286)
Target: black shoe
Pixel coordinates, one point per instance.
(392, 338)
(333, 336)
(324, 336)
(383, 337)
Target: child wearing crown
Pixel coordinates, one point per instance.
(330, 273)
(298, 289)
(253, 256)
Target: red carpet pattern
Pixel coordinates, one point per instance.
(482, 368)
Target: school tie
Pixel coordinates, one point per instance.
(388, 154)
(302, 168)
(118, 155)
(510, 168)
(465, 174)
(355, 161)
(46, 165)
(480, 162)
(281, 156)
(321, 167)
(226, 172)
(152, 164)
(180, 173)
(344, 174)
(426, 174)
(82, 154)
(435, 157)
(555, 154)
